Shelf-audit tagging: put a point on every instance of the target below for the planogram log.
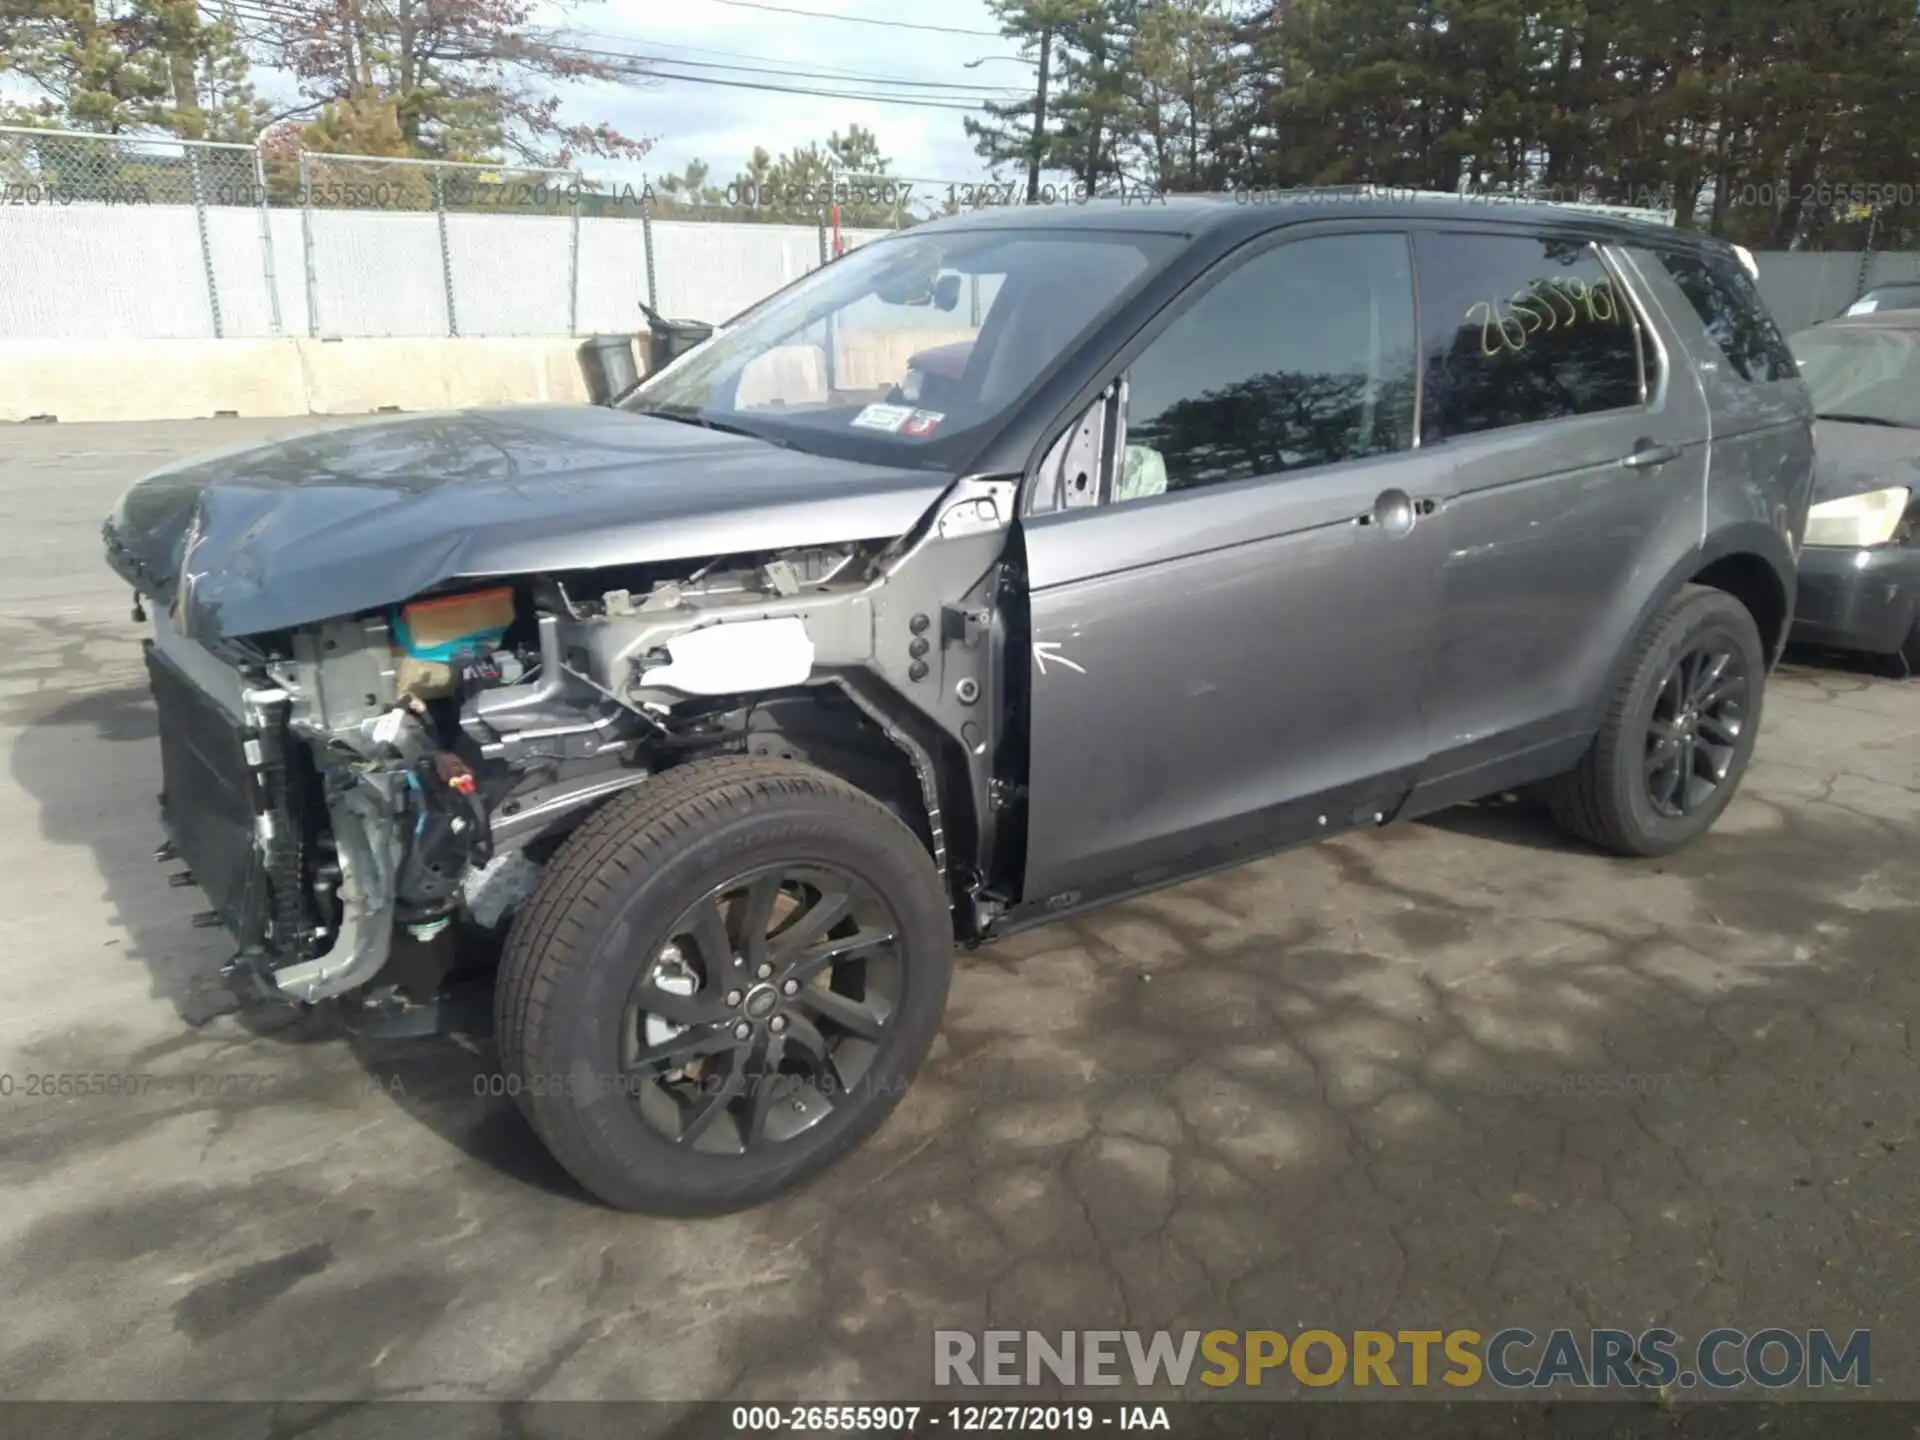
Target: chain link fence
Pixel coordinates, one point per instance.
(119, 236)
(1806, 287)
(110, 235)
(107, 236)
(436, 248)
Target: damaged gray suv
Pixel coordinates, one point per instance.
(1001, 568)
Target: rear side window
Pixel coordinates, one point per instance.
(1728, 303)
(1518, 329)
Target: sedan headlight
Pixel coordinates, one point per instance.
(1868, 519)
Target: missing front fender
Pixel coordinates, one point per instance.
(369, 845)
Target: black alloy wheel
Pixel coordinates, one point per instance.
(726, 980)
(1677, 729)
(764, 1009)
(1699, 716)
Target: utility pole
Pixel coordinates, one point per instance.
(1039, 117)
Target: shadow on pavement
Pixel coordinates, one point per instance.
(1845, 662)
(1400, 1079)
(1517, 820)
(92, 765)
(1250, 1103)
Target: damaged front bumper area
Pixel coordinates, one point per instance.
(268, 837)
(352, 790)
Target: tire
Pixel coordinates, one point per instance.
(1910, 652)
(1606, 799)
(596, 931)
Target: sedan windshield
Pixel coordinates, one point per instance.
(1887, 297)
(1866, 374)
(900, 352)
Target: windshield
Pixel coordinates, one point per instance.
(1865, 374)
(1887, 297)
(898, 352)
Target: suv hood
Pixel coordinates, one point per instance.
(1850, 459)
(296, 530)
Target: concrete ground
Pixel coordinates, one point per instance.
(1455, 1073)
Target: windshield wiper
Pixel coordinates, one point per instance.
(688, 416)
(1846, 419)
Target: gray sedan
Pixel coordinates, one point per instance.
(1860, 570)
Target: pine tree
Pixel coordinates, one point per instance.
(1181, 94)
(126, 66)
(1027, 133)
(470, 80)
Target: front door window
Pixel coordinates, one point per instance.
(1303, 356)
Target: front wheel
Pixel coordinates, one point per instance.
(1677, 734)
(726, 980)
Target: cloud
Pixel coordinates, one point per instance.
(722, 125)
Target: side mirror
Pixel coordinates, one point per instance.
(938, 289)
(908, 285)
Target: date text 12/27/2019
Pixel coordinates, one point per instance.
(958, 1419)
(991, 194)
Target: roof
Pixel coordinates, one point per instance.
(1251, 211)
(1874, 320)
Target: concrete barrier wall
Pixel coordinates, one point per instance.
(72, 380)
(90, 270)
(75, 380)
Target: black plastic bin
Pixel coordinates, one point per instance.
(670, 339)
(607, 362)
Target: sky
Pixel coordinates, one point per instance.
(722, 125)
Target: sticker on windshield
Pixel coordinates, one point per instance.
(883, 417)
(922, 423)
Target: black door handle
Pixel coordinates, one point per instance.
(1646, 455)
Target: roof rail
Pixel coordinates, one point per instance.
(1549, 196)
(1652, 215)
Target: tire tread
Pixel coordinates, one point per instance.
(1582, 801)
(545, 946)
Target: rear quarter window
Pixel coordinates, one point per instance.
(1519, 329)
(1729, 305)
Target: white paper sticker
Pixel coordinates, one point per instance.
(883, 417)
(736, 658)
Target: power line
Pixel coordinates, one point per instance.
(848, 76)
(265, 12)
(648, 68)
(968, 108)
(653, 44)
(858, 19)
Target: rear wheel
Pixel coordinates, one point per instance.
(725, 982)
(1678, 732)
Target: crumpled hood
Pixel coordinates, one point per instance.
(1853, 459)
(292, 531)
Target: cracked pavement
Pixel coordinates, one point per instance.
(1452, 1073)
